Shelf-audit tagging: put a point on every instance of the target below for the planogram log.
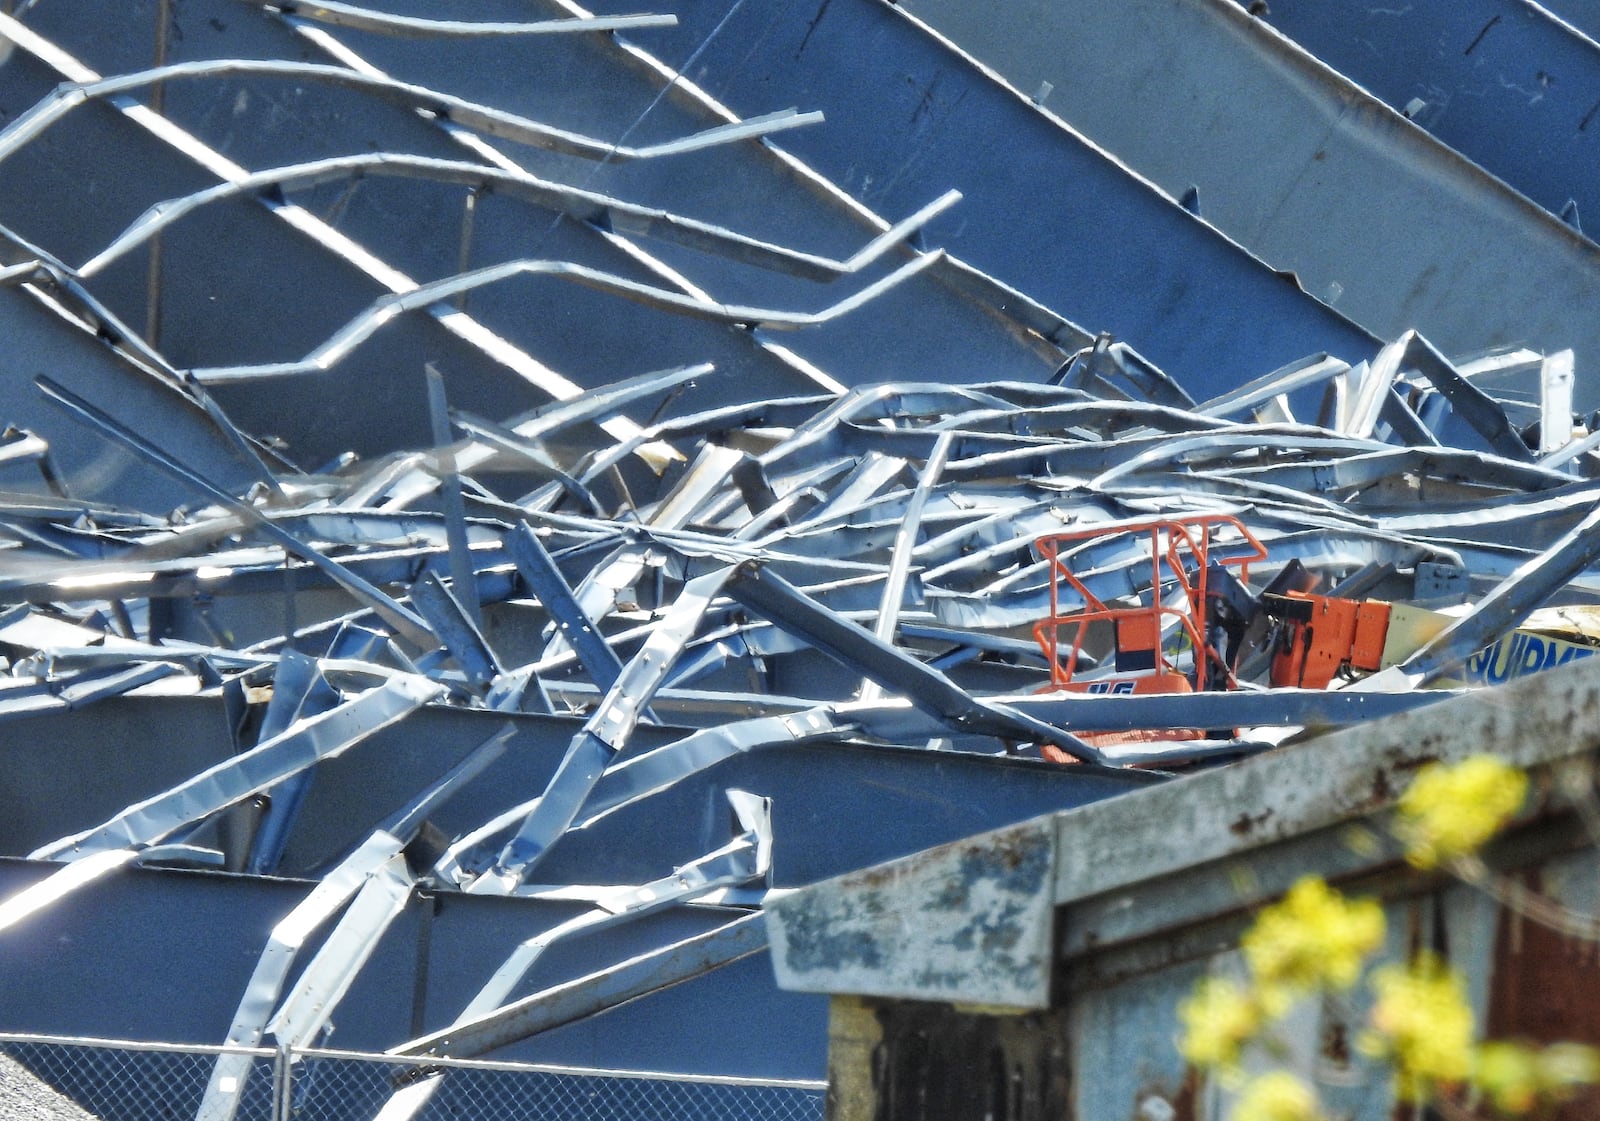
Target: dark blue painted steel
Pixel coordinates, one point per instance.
(1502, 82)
(535, 565)
(154, 745)
(831, 800)
(36, 341)
(836, 807)
(827, 794)
(1042, 210)
(153, 931)
(768, 594)
(297, 293)
(1581, 14)
(298, 691)
(141, 936)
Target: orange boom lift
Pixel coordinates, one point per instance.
(1180, 632)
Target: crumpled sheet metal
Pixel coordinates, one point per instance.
(929, 496)
(709, 544)
(979, 472)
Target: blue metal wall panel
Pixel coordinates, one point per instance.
(826, 796)
(102, 962)
(296, 293)
(1042, 209)
(1500, 81)
(1308, 170)
(1583, 15)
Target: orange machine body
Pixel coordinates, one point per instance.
(1325, 636)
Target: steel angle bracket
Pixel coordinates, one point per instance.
(774, 598)
(706, 476)
(453, 622)
(462, 578)
(358, 18)
(225, 1088)
(301, 745)
(469, 331)
(602, 405)
(387, 308)
(654, 771)
(1260, 393)
(735, 642)
(536, 566)
(745, 859)
(487, 435)
(1556, 376)
(602, 737)
(905, 540)
(1532, 583)
(67, 293)
(1094, 367)
(390, 611)
(1404, 423)
(308, 1008)
(519, 690)
(626, 980)
(91, 685)
(1362, 409)
(298, 692)
(604, 211)
(1472, 404)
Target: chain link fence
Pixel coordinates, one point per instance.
(58, 1079)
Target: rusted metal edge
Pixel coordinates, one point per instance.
(974, 921)
(965, 921)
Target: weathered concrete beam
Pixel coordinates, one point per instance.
(974, 921)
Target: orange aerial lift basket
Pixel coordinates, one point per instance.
(1165, 632)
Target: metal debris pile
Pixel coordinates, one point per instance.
(860, 567)
(862, 564)
(467, 606)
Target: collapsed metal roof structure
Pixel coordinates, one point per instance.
(528, 480)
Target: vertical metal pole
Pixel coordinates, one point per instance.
(419, 985)
(282, 1085)
(158, 101)
(462, 579)
(469, 212)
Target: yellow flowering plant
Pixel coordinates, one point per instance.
(1317, 941)
(1422, 1024)
(1219, 1018)
(1277, 1096)
(1449, 811)
(1516, 1079)
(1313, 939)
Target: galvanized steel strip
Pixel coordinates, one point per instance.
(300, 745)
